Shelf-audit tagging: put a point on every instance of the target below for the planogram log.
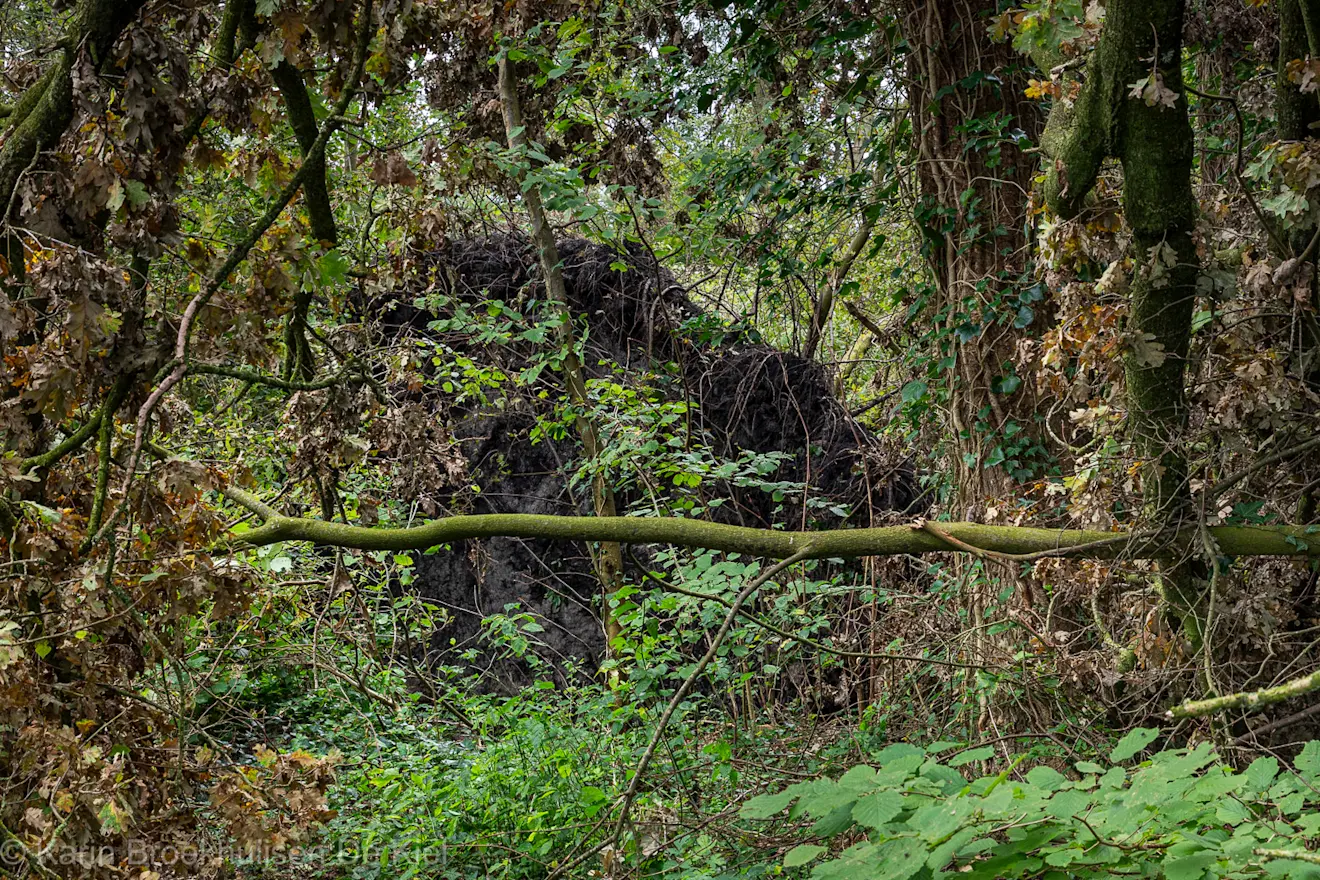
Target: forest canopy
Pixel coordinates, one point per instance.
(632, 438)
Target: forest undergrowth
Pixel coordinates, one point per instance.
(662, 438)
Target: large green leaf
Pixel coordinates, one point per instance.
(1134, 742)
(764, 806)
(801, 854)
(876, 810)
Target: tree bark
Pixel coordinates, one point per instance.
(1294, 112)
(1142, 40)
(1010, 543)
(967, 94)
(972, 213)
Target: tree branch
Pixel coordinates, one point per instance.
(1274, 458)
(1248, 699)
(1288, 540)
(609, 560)
(67, 446)
(316, 193)
(820, 316)
(257, 377)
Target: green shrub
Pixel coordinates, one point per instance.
(1182, 814)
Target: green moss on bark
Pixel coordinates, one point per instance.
(41, 126)
(1142, 43)
(775, 544)
(302, 119)
(45, 110)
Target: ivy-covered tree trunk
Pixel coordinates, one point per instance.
(971, 123)
(1133, 107)
(971, 120)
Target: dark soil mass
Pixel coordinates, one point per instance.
(639, 327)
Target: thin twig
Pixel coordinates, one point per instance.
(1237, 169)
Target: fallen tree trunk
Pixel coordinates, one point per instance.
(1009, 543)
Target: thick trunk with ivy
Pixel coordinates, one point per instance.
(1140, 50)
(972, 120)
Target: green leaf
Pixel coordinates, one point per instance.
(1285, 202)
(1133, 743)
(856, 861)
(1262, 772)
(1046, 777)
(1188, 867)
(940, 855)
(1292, 804)
(46, 514)
(913, 391)
(1308, 762)
(900, 858)
(1062, 858)
(900, 751)
(858, 779)
(333, 266)
(136, 192)
(835, 822)
(801, 854)
(981, 754)
(936, 822)
(942, 746)
(766, 805)
(877, 809)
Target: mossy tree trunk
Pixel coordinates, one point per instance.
(1152, 139)
(40, 117)
(299, 363)
(1295, 114)
(36, 123)
(1294, 111)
